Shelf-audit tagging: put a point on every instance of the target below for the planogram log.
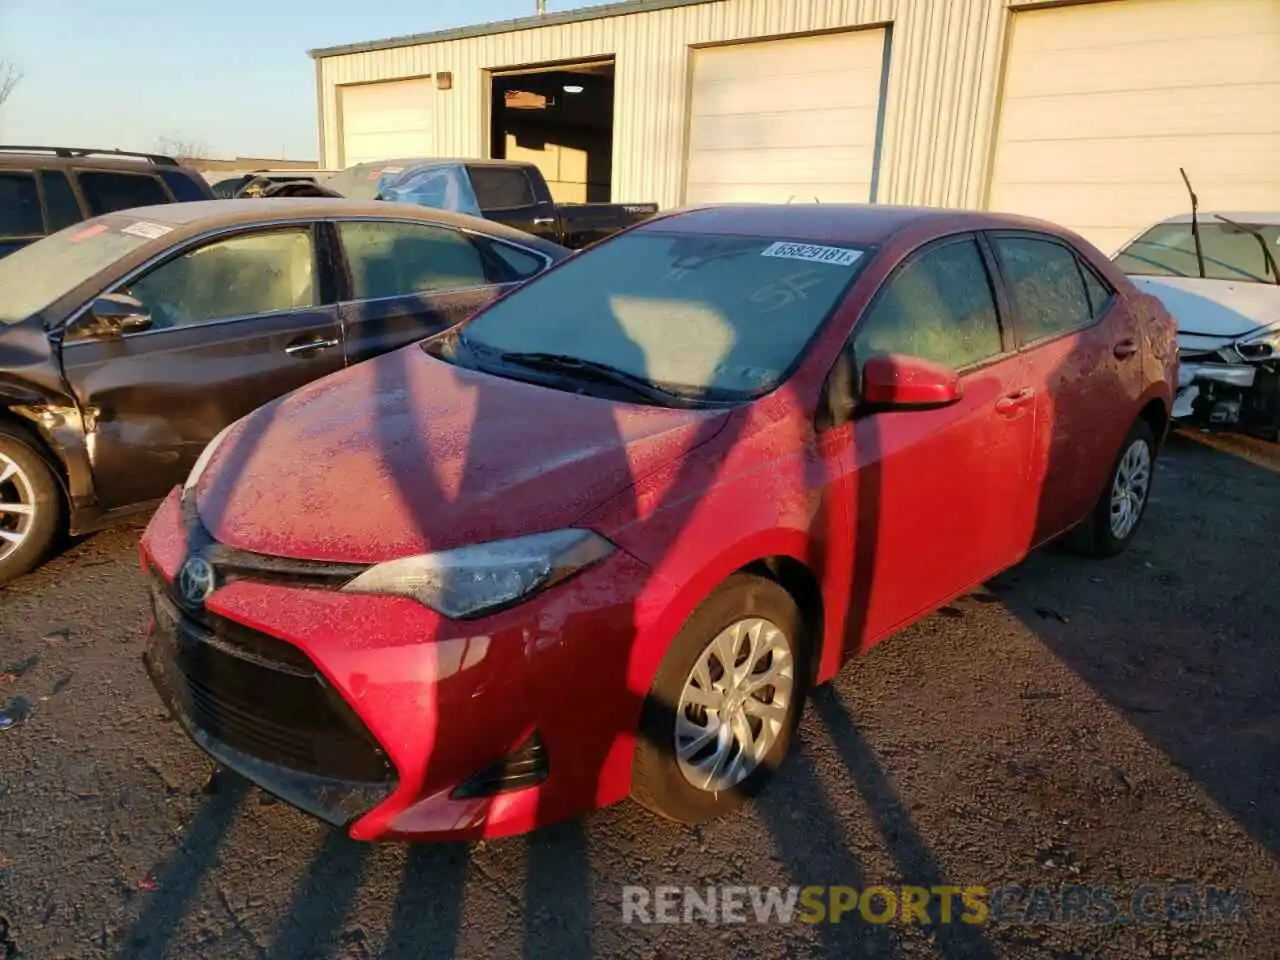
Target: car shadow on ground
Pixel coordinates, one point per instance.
(1160, 664)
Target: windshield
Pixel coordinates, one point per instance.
(1169, 250)
(35, 276)
(707, 315)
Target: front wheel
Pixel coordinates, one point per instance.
(30, 506)
(720, 714)
(1111, 526)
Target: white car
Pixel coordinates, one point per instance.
(1225, 297)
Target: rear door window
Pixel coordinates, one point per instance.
(61, 209)
(393, 259)
(938, 306)
(107, 191)
(501, 188)
(20, 205)
(1046, 285)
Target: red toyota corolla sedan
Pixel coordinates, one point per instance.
(602, 538)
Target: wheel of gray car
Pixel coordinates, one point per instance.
(1116, 516)
(30, 505)
(727, 697)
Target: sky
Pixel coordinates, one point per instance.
(231, 75)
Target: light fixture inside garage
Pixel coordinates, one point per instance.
(573, 88)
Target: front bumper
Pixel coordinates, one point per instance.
(1213, 391)
(445, 705)
(262, 709)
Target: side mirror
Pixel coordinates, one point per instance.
(115, 314)
(896, 381)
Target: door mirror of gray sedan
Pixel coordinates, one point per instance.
(115, 314)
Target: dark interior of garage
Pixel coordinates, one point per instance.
(560, 118)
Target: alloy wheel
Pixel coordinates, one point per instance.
(734, 704)
(1130, 488)
(17, 506)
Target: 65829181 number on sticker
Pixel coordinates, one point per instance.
(836, 256)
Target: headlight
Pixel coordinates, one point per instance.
(472, 580)
(206, 455)
(1260, 346)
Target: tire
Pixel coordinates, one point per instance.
(660, 780)
(1097, 536)
(29, 485)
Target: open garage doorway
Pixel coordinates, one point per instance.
(559, 117)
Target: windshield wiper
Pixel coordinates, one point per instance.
(1262, 242)
(594, 370)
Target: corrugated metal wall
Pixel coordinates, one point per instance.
(943, 79)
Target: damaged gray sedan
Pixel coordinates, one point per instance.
(1217, 274)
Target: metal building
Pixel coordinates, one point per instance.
(1081, 112)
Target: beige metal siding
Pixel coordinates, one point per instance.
(943, 74)
(381, 120)
(774, 120)
(1103, 103)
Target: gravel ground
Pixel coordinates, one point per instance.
(1110, 724)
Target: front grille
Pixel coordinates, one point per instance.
(262, 697)
(252, 643)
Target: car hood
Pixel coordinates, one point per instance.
(405, 454)
(1212, 313)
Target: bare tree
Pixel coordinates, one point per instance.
(182, 148)
(10, 75)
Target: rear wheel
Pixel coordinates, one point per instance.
(30, 506)
(720, 714)
(1111, 526)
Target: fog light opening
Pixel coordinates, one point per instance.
(526, 767)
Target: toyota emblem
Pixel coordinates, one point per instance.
(196, 580)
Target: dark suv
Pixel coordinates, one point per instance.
(43, 189)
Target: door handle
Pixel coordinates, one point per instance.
(1125, 348)
(309, 346)
(539, 221)
(1013, 402)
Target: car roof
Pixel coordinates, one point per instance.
(197, 216)
(861, 223)
(1254, 217)
(49, 159)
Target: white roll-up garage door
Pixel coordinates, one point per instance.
(384, 120)
(782, 119)
(1103, 103)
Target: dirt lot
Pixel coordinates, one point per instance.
(1107, 724)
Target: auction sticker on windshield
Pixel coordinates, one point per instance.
(837, 256)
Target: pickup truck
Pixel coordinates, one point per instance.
(507, 191)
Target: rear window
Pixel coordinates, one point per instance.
(183, 185)
(500, 188)
(35, 276)
(20, 206)
(108, 191)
